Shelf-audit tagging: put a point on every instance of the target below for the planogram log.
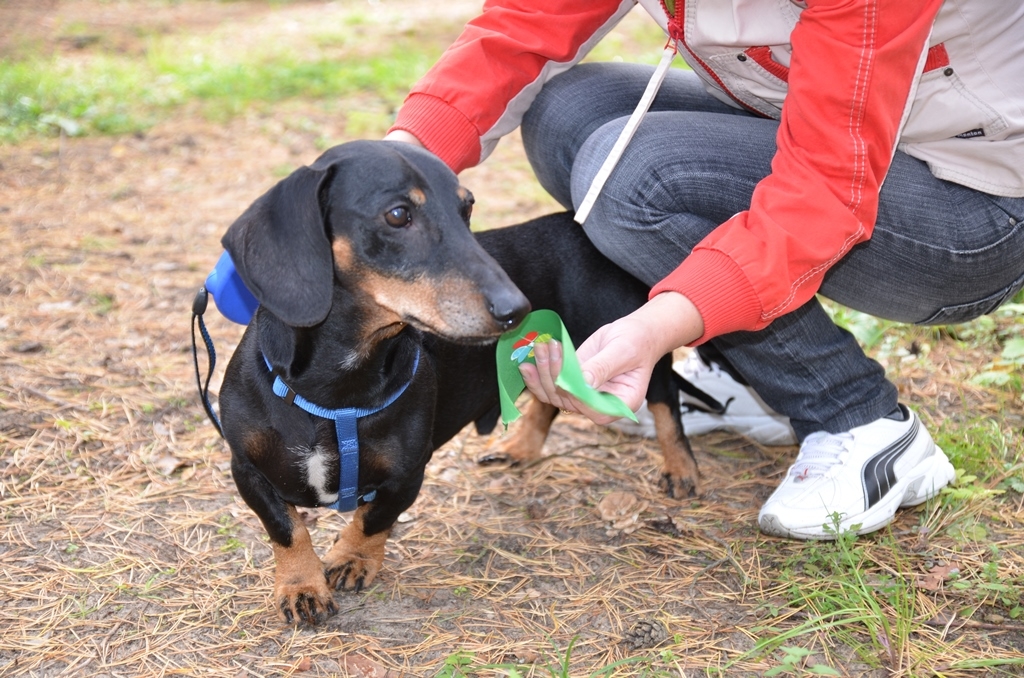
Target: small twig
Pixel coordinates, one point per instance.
(64, 405)
(947, 624)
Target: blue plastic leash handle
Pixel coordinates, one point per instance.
(236, 303)
(232, 297)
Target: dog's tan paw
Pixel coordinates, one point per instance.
(679, 486)
(525, 439)
(355, 559)
(498, 457)
(311, 603)
(522, 445)
(354, 573)
(679, 475)
(300, 589)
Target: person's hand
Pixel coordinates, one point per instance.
(620, 356)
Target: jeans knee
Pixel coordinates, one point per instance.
(570, 107)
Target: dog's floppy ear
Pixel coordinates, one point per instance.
(281, 250)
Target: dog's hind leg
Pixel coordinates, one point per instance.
(524, 443)
(679, 475)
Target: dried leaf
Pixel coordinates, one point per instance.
(937, 576)
(617, 505)
(359, 666)
(167, 464)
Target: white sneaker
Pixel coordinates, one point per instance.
(643, 426)
(745, 413)
(864, 475)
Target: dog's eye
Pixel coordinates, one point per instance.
(467, 211)
(398, 217)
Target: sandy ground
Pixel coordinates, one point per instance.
(125, 550)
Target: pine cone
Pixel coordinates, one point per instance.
(646, 633)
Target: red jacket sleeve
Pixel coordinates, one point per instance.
(851, 75)
(499, 55)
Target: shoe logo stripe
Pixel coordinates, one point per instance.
(879, 472)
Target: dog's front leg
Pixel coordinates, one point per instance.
(358, 552)
(356, 558)
(300, 587)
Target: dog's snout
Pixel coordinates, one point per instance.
(509, 309)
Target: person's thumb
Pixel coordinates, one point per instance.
(599, 368)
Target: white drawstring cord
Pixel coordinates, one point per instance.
(653, 85)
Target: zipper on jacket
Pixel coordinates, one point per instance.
(674, 11)
(675, 18)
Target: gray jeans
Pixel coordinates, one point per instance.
(941, 253)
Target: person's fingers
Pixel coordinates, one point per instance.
(540, 381)
(548, 357)
(559, 398)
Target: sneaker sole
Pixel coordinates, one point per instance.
(923, 482)
(774, 432)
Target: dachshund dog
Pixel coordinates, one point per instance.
(374, 344)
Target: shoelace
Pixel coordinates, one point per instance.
(819, 453)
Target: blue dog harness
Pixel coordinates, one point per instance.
(237, 303)
(345, 419)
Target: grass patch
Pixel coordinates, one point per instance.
(95, 90)
(103, 92)
(110, 95)
(848, 597)
(861, 597)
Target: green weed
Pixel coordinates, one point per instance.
(983, 448)
(462, 664)
(848, 598)
(1004, 371)
(102, 304)
(117, 94)
(793, 663)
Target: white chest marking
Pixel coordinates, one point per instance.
(317, 475)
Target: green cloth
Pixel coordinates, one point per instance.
(516, 347)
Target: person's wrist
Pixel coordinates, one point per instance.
(672, 321)
(402, 135)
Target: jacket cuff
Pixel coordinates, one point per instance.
(719, 289)
(443, 130)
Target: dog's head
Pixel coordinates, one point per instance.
(383, 218)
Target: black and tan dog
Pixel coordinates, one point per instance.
(374, 294)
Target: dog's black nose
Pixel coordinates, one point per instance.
(509, 309)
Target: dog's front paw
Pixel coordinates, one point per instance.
(679, 486)
(353, 573)
(525, 438)
(311, 603)
(355, 559)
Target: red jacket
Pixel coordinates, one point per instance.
(853, 67)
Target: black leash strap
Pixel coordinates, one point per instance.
(198, 309)
(711, 405)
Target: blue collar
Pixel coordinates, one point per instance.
(348, 438)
